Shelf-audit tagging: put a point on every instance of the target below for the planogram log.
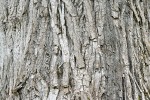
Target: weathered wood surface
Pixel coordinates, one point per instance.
(74, 49)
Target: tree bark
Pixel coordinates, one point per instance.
(74, 50)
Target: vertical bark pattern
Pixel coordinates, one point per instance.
(74, 50)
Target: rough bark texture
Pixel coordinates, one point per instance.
(74, 49)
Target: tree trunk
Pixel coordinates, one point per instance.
(74, 50)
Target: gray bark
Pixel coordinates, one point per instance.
(74, 50)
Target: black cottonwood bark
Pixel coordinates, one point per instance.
(74, 49)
